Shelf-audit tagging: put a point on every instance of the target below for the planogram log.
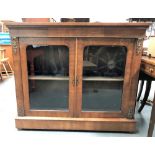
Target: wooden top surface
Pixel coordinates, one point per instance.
(146, 59)
(75, 24)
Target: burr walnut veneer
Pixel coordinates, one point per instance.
(77, 76)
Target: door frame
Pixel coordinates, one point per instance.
(127, 84)
(69, 42)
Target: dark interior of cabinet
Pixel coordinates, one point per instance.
(103, 73)
(48, 72)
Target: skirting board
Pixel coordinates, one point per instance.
(88, 124)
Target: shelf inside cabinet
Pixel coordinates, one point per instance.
(41, 77)
(103, 78)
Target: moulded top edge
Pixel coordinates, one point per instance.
(76, 24)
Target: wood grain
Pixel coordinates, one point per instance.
(88, 124)
(76, 36)
(18, 81)
(125, 30)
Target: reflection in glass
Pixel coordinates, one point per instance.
(103, 73)
(48, 60)
(108, 61)
(48, 74)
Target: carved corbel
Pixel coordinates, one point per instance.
(139, 46)
(14, 44)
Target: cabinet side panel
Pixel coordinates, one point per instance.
(128, 108)
(18, 76)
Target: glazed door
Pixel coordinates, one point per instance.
(48, 75)
(103, 68)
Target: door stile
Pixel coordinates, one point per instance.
(131, 85)
(78, 76)
(25, 78)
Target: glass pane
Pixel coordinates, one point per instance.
(48, 74)
(103, 73)
(102, 95)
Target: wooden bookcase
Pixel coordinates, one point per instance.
(77, 76)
